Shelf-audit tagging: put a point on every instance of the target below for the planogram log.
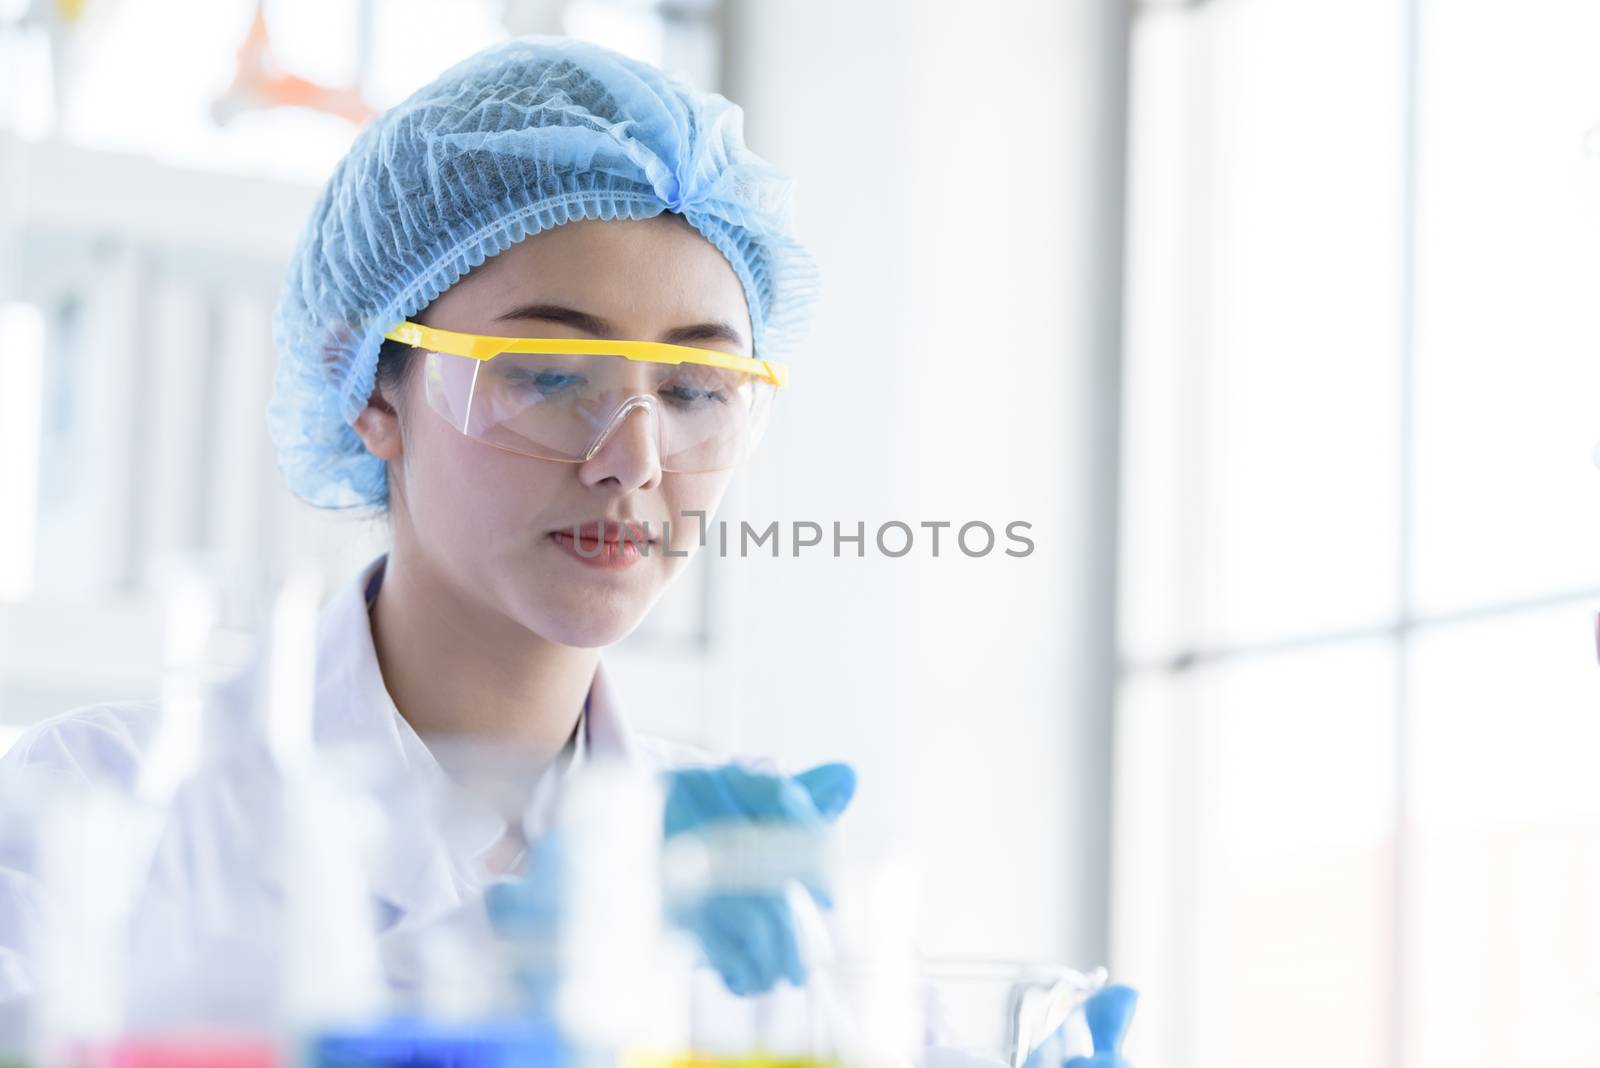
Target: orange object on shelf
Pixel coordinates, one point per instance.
(257, 85)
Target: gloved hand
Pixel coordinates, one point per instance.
(750, 938)
(1107, 1013)
(699, 797)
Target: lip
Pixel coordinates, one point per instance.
(610, 530)
(602, 543)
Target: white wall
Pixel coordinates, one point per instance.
(951, 180)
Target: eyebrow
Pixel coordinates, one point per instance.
(713, 330)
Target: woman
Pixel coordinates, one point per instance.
(539, 306)
(541, 496)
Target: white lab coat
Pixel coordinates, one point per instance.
(215, 828)
(202, 917)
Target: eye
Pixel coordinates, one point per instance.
(693, 395)
(695, 386)
(545, 382)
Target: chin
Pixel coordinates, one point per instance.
(593, 637)
(585, 627)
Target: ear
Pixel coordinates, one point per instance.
(379, 427)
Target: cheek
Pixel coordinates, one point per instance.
(473, 497)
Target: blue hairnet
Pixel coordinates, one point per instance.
(523, 136)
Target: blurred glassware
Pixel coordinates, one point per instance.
(851, 915)
(1000, 1011)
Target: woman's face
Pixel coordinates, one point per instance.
(486, 519)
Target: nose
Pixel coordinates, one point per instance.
(627, 453)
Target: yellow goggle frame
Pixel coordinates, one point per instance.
(484, 347)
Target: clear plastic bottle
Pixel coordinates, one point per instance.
(847, 917)
(1000, 1012)
(335, 1001)
(24, 803)
(582, 921)
(112, 989)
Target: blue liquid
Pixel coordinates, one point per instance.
(407, 1043)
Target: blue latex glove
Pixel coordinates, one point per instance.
(1107, 1012)
(750, 937)
(699, 797)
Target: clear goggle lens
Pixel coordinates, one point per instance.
(564, 406)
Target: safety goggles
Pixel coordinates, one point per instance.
(561, 398)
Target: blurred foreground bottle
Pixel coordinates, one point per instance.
(1005, 1013)
(108, 992)
(842, 922)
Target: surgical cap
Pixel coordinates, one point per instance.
(523, 136)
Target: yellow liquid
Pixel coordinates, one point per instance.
(723, 1060)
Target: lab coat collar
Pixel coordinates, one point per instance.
(353, 706)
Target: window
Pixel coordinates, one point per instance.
(91, 77)
(1357, 816)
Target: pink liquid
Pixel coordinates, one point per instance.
(181, 1051)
